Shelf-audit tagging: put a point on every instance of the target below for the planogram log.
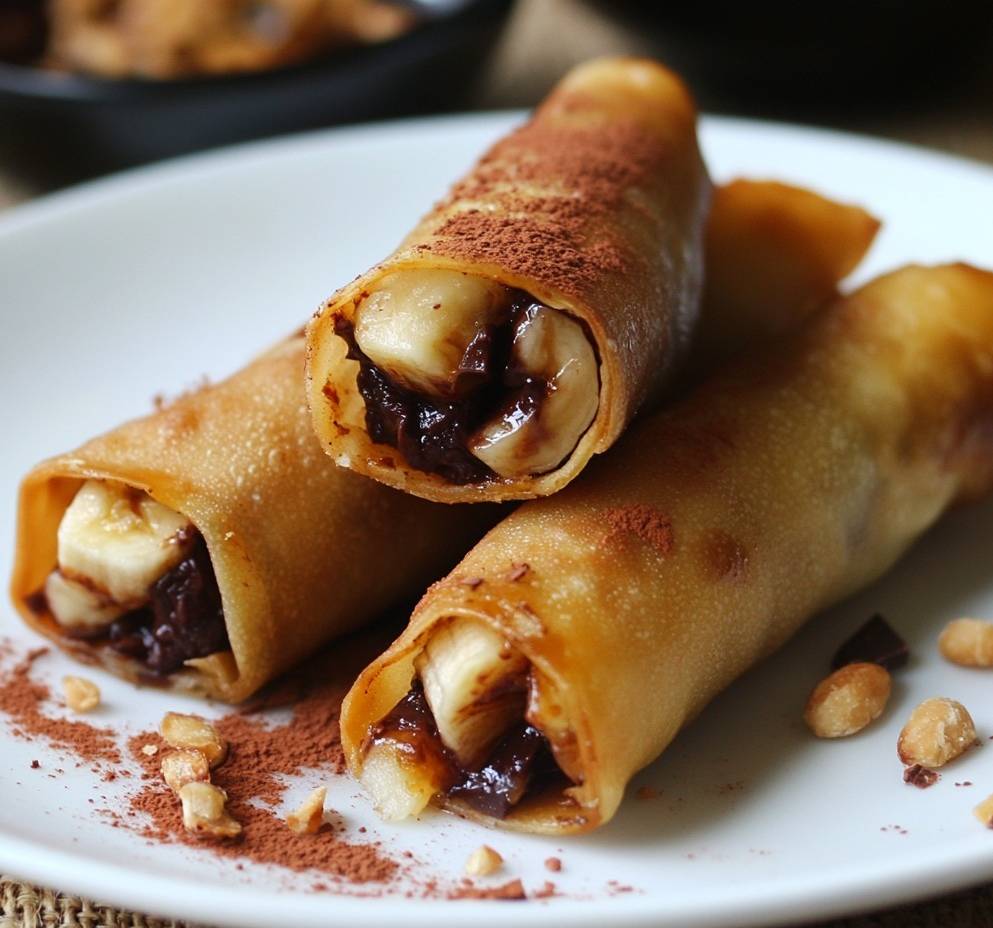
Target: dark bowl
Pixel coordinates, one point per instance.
(62, 127)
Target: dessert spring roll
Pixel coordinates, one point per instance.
(212, 545)
(575, 640)
(532, 312)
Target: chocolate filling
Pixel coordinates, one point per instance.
(433, 434)
(184, 619)
(521, 763)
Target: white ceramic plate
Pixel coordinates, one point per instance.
(114, 291)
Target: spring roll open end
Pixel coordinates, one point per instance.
(285, 534)
(487, 746)
(594, 212)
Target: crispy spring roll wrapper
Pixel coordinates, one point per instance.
(775, 254)
(714, 530)
(297, 545)
(595, 208)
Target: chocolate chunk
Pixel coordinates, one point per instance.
(522, 759)
(502, 781)
(876, 643)
(920, 776)
(185, 618)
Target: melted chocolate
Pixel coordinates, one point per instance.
(184, 619)
(432, 433)
(521, 760)
(517, 762)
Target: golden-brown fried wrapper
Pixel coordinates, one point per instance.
(594, 208)
(714, 530)
(297, 545)
(774, 254)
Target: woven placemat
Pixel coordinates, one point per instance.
(26, 906)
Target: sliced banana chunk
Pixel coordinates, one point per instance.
(417, 326)
(119, 541)
(398, 790)
(77, 606)
(475, 684)
(536, 437)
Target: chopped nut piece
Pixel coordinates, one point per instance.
(553, 864)
(938, 731)
(483, 861)
(984, 811)
(81, 694)
(149, 750)
(847, 700)
(968, 642)
(309, 817)
(182, 767)
(195, 733)
(920, 776)
(204, 812)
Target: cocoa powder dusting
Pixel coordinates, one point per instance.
(260, 755)
(574, 176)
(22, 700)
(513, 890)
(644, 522)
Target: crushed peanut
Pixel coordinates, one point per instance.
(205, 813)
(483, 861)
(149, 750)
(938, 731)
(847, 700)
(968, 642)
(195, 733)
(81, 694)
(984, 811)
(182, 767)
(309, 817)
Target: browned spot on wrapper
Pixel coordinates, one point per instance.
(178, 419)
(725, 557)
(644, 522)
(331, 394)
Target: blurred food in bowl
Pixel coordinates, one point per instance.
(187, 38)
(22, 30)
(201, 73)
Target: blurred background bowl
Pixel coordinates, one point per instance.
(66, 126)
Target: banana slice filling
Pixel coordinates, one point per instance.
(472, 728)
(469, 379)
(135, 575)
